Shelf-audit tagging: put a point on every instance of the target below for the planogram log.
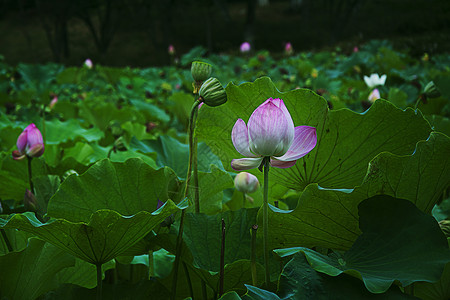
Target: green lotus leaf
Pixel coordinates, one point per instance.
(329, 218)
(104, 236)
(31, 272)
(398, 243)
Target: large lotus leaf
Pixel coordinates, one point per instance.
(255, 293)
(175, 155)
(106, 235)
(127, 188)
(347, 141)
(398, 243)
(435, 291)
(57, 132)
(203, 235)
(31, 272)
(329, 218)
(299, 281)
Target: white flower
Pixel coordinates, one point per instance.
(375, 80)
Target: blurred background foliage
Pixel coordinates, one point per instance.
(138, 32)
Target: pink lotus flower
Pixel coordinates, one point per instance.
(271, 133)
(88, 63)
(245, 47)
(29, 143)
(355, 49)
(246, 183)
(374, 95)
(288, 49)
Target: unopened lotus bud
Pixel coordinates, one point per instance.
(200, 71)
(30, 201)
(246, 183)
(431, 90)
(119, 145)
(68, 173)
(445, 227)
(212, 92)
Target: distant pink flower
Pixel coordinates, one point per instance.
(374, 95)
(53, 102)
(288, 49)
(171, 49)
(271, 133)
(355, 49)
(29, 143)
(88, 63)
(245, 47)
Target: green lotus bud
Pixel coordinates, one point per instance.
(212, 92)
(431, 90)
(119, 145)
(200, 71)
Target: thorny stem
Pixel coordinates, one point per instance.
(188, 177)
(266, 221)
(30, 176)
(253, 256)
(222, 260)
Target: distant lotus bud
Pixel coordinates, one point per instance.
(53, 102)
(212, 92)
(171, 50)
(29, 143)
(374, 95)
(288, 49)
(69, 173)
(119, 145)
(355, 49)
(88, 63)
(245, 47)
(29, 201)
(200, 71)
(431, 90)
(246, 183)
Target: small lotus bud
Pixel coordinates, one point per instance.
(374, 95)
(120, 145)
(246, 183)
(212, 92)
(29, 143)
(431, 90)
(288, 49)
(30, 201)
(53, 102)
(200, 71)
(445, 227)
(69, 173)
(171, 50)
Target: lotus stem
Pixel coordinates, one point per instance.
(253, 256)
(222, 260)
(151, 265)
(179, 243)
(188, 279)
(99, 281)
(110, 152)
(195, 166)
(243, 200)
(30, 175)
(7, 242)
(266, 221)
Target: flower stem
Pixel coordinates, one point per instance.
(110, 152)
(243, 202)
(99, 281)
(266, 221)
(188, 278)
(30, 175)
(179, 243)
(195, 166)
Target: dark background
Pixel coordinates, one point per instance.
(137, 32)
